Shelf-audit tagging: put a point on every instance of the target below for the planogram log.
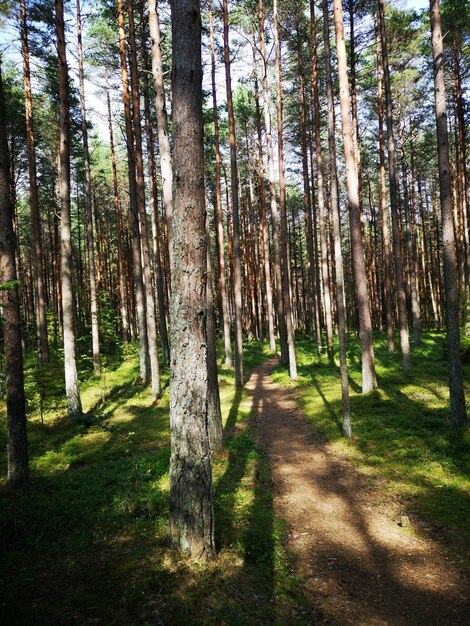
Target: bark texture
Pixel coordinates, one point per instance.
(457, 397)
(191, 512)
(74, 406)
(17, 444)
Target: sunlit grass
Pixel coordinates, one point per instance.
(402, 435)
(91, 533)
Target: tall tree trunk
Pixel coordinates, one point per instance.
(17, 443)
(393, 181)
(214, 414)
(314, 318)
(281, 320)
(95, 335)
(162, 121)
(117, 217)
(153, 193)
(220, 225)
(387, 270)
(360, 276)
(340, 293)
(457, 397)
(235, 209)
(264, 223)
(282, 202)
(133, 209)
(74, 405)
(41, 317)
(191, 511)
(144, 238)
(320, 188)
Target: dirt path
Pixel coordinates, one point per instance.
(358, 566)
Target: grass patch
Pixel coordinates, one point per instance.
(401, 433)
(87, 542)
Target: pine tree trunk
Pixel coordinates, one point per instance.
(387, 270)
(320, 188)
(133, 209)
(162, 121)
(95, 336)
(272, 193)
(340, 293)
(41, 317)
(283, 204)
(458, 412)
(264, 223)
(191, 512)
(117, 216)
(235, 209)
(74, 405)
(17, 443)
(393, 181)
(220, 225)
(357, 249)
(153, 194)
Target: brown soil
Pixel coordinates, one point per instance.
(358, 566)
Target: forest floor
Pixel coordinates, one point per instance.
(310, 529)
(361, 558)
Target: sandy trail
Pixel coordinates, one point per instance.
(358, 566)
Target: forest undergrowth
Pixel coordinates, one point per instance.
(87, 541)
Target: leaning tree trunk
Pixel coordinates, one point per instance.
(357, 249)
(191, 511)
(95, 334)
(457, 397)
(39, 290)
(237, 263)
(283, 204)
(74, 405)
(17, 447)
(393, 180)
(334, 198)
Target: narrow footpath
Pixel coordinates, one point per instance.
(358, 566)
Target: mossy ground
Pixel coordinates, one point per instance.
(402, 435)
(87, 542)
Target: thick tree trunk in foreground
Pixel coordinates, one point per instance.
(219, 218)
(357, 249)
(393, 180)
(18, 468)
(95, 336)
(457, 397)
(191, 512)
(283, 204)
(40, 300)
(334, 197)
(237, 269)
(74, 405)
